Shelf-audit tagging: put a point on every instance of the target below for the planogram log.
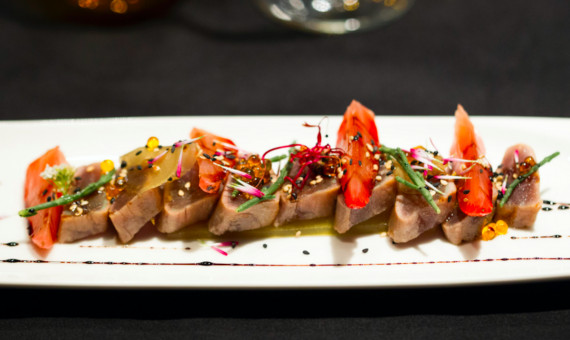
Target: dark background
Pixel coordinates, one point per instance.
(209, 57)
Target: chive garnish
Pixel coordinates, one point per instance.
(418, 181)
(521, 178)
(278, 158)
(66, 199)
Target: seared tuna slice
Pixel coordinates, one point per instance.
(412, 214)
(460, 227)
(89, 215)
(524, 204)
(133, 209)
(225, 218)
(382, 199)
(185, 203)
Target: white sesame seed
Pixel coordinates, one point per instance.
(378, 178)
(443, 182)
(388, 164)
(377, 156)
(340, 174)
(313, 182)
(89, 168)
(298, 233)
(432, 192)
(375, 167)
(187, 185)
(73, 207)
(367, 154)
(180, 193)
(84, 202)
(78, 211)
(369, 147)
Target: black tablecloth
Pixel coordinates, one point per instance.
(213, 57)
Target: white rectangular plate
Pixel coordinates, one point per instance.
(153, 260)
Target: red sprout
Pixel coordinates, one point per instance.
(307, 156)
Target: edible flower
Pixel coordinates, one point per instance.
(245, 188)
(60, 176)
(235, 171)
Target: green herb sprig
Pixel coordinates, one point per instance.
(521, 178)
(66, 199)
(418, 181)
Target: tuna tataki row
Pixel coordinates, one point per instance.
(208, 177)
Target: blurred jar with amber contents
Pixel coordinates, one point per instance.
(90, 11)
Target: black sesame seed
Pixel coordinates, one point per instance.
(435, 153)
(213, 143)
(170, 179)
(138, 153)
(150, 166)
(160, 147)
(231, 156)
(234, 244)
(360, 163)
(139, 167)
(76, 190)
(294, 195)
(306, 252)
(31, 210)
(563, 207)
(45, 192)
(392, 167)
(389, 173)
(465, 192)
(265, 245)
(206, 155)
(480, 171)
(77, 178)
(123, 164)
(49, 199)
(344, 172)
(546, 208)
(350, 162)
(448, 198)
(112, 200)
(210, 188)
(365, 250)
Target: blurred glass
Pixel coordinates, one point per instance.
(334, 16)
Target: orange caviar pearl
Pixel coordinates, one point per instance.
(107, 165)
(488, 232)
(152, 143)
(501, 227)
